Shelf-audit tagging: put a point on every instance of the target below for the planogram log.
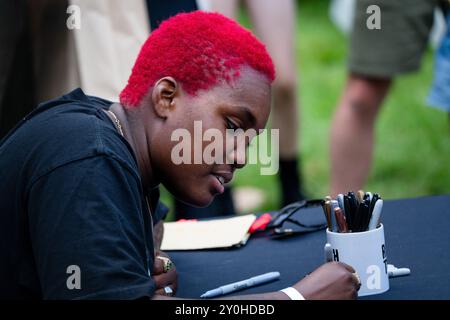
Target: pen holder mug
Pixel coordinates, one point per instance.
(366, 253)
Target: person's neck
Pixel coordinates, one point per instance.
(135, 133)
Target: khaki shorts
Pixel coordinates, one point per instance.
(400, 43)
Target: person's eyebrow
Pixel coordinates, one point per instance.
(249, 116)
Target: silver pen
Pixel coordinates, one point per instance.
(247, 283)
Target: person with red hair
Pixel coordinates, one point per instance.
(79, 205)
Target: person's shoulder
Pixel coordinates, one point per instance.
(67, 129)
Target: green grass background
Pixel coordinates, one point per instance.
(412, 154)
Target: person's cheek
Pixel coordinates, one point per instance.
(196, 184)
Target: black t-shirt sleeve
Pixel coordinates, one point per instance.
(86, 216)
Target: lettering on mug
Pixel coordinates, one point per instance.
(383, 253)
(335, 255)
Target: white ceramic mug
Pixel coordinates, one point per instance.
(366, 253)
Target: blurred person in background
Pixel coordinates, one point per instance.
(439, 96)
(17, 88)
(51, 47)
(376, 57)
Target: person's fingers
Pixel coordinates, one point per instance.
(158, 266)
(356, 280)
(348, 267)
(162, 264)
(165, 279)
(163, 292)
(354, 295)
(354, 275)
(161, 254)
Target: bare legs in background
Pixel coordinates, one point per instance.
(352, 132)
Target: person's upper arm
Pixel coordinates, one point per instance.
(87, 214)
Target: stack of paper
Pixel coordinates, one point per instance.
(209, 234)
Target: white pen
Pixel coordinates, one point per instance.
(376, 214)
(254, 281)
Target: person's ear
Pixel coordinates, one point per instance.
(164, 92)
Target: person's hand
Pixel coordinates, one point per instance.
(331, 281)
(166, 280)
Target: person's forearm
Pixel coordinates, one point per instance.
(158, 231)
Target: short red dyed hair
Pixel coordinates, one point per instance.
(198, 49)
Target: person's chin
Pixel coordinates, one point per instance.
(202, 200)
(204, 203)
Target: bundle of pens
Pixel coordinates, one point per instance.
(353, 212)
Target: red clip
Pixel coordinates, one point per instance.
(260, 223)
(187, 220)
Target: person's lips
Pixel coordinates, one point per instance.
(223, 176)
(219, 179)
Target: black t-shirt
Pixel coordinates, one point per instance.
(73, 212)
